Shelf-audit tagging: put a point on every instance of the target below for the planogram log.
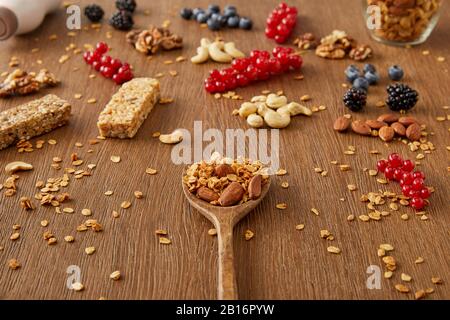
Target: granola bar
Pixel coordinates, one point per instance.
(32, 119)
(128, 108)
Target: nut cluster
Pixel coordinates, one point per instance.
(226, 182)
(151, 40)
(273, 110)
(20, 82)
(338, 45)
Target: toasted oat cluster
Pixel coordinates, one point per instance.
(226, 183)
(32, 119)
(20, 82)
(404, 20)
(128, 108)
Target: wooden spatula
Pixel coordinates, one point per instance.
(224, 219)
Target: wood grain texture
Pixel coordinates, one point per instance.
(279, 262)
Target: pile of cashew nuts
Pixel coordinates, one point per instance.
(218, 51)
(274, 110)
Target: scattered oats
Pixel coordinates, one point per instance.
(51, 241)
(373, 173)
(173, 73)
(318, 170)
(281, 206)
(281, 172)
(388, 274)
(381, 252)
(350, 217)
(324, 173)
(325, 234)
(440, 119)
(344, 167)
(419, 294)
(115, 159)
(440, 59)
(69, 239)
(285, 185)
(125, 204)
(300, 227)
(86, 212)
(420, 156)
(212, 232)
(77, 286)
(437, 280)
(404, 216)
(14, 236)
(44, 223)
(364, 218)
(161, 232)
(68, 210)
(424, 218)
(164, 240)
(109, 193)
(78, 96)
(315, 211)
(248, 235)
(402, 288)
(92, 101)
(151, 171)
(64, 58)
(380, 104)
(429, 290)
(77, 163)
(426, 52)
(51, 142)
(349, 152)
(14, 264)
(138, 194)
(115, 275)
(89, 250)
(115, 214)
(305, 98)
(419, 260)
(180, 59)
(332, 249)
(91, 166)
(393, 206)
(382, 181)
(159, 75)
(299, 77)
(386, 247)
(78, 144)
(405, 277)
(351, 187)
(156, 134)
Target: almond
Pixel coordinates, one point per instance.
(386, 134)
(399, 128)
(223, 170)
(207, 194)
(375, 124)
(231, 195)
(413, 132)
(407, 121)
(341, 124)
(254, 187)
(360, 127)
(388, 118)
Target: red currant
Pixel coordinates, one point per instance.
(280, 39)
(417, 203)
(419, 174)
(381, 165)
(398, 174)
(238, 65)
(106, 61)
(220, 86)
(417, 184)
(425, 193)
(389, 173)
(295, 61)
(107, 72)
(408, 165)
(116, 64)
(407, 178)
(96, 65)
(395, 160)
(209, 86)
(101, 48)
(242, 80)
(406, 189)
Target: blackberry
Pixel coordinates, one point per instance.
(355, 99)
(401, 97)
(127, 5)
(122, 20)
(94, 12)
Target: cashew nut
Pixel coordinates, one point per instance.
(173, 138)
(255, 121)
(284, 110)
(216, 53)
(262, 109)
(202, 55)
(15, 166)
(273, 101)
(205, 42)
(277, 120)
(259, 99)
(247, 108)
(296, 108)
(230, 48)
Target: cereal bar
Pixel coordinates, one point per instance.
(128, 108)
(32, 119)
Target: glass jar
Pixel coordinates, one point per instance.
(401, 22)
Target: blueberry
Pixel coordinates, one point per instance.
(245, 23)
(361, 83)
(395, 73)
(352, 72)
(196, 11)
(233, 22)
(369, 67)
(213, 24)
(229, 7)
(372, 77)
(213, 8)
(230, 12)
(186, 13)
(202, 17)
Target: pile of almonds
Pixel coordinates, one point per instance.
(226, 183)
(386, 126)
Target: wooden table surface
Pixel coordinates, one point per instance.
(279, 262)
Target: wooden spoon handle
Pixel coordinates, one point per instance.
(227, 288)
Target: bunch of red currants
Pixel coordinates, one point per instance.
(259, 66)
(109, 67)
(412, 183)
(281, 22)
